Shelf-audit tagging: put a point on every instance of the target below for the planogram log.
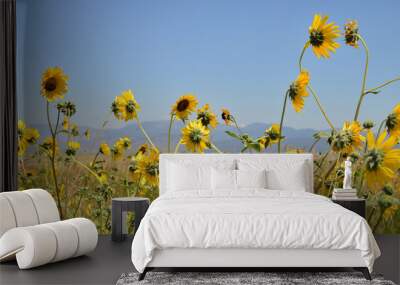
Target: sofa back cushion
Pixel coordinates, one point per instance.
(26, 208)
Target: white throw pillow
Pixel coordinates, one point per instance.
(223, 179)
(251, 178)
(183, 178)
(285, 174)
(294, 179)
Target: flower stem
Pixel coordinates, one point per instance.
(364, 77)
(215, 148)
(302, 54)
(145, 134)
(95, 158)
(87, 168)
(177, 146)
(53, 160)
(171, 120)
(379, 220)
(313, 144)
(236, 125)
(336, 175)
(281, 123)
(380, 129)
(371, 215)
(320, 107)
(381, 86)
(316, 98)
(48, 117)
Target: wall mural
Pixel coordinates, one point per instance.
(83, 183)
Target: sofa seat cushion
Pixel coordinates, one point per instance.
(40, 244)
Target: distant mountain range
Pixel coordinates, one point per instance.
(158, 131)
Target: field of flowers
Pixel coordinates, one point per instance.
(83, 184)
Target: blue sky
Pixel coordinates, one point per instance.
(236, 54)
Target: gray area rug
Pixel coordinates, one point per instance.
(233, 278)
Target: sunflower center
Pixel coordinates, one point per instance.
(114, 108)
(204, 118)
(341, 140)
(292, 91)
(132, 167)
(374, 159)
(142, 149)
(152, 169)
(225, 116)
(273, 135)
(195, 136)
(130, 107)
(182, 105)
(50, 84)
(31, 140)
(391, 122)
(316, 38)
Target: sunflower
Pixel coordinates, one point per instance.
(20, 128)
(104, 149)
(26, 136)
(351, 33)
(65, 123)
(368, 124)
(393, 122)
(125, 107)
(298, 90)
(31, 135)
(207, 117)
(117, 152)
(47, 145)
(273, 133)
(148, 168)
(390, 212)
(22, 145)
(54, 84)
(195, 136)
(348, 139)
(103, 177)
(72, 147)
(381, 160)
(184, 106)
(123, 143)
(226, 116)
(142, 150)
(133, 172)
(67, 108)
(74, 130)
(263, 143)
(21, 142)
(322, 36)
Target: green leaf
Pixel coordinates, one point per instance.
(255, 146)
(320, 135)
(233, 135)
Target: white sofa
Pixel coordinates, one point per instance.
(31, 231)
